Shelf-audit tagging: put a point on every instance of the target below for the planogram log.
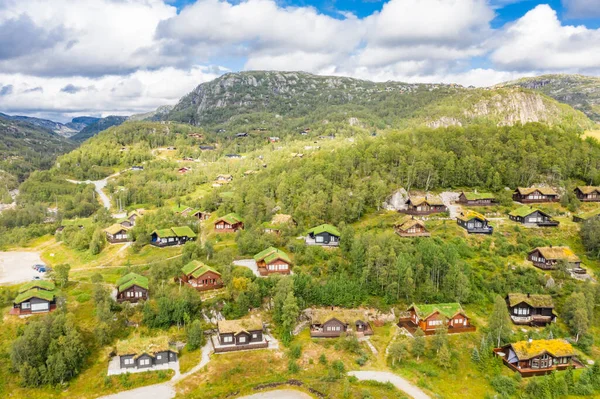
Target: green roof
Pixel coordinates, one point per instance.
(164, 233)
(231, 218)
(196, 269)
(138, 346)
(180, 208)
(325, 228)
(184, 231)
(524, 211)
(589, 214)
(270, 254)
(131, 279)
(556, 347)
(534, 300)
(43, 284)
(446, 309)
(478, 196)
(35, 293)
(466, 216)
(114, 229)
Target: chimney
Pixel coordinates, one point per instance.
(528, 295)
(529, 340)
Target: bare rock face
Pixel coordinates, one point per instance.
(444, 121)
(397, 201)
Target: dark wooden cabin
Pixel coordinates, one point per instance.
(430, 317)
(229, 223)
(242, 334)
(424, 206)
(117, 233)
(38, 296)
(474, 223)
(324, 235)
(476, 199)
(546, 258)
(588, 193)
(531, 309)
(535, 194)
(332, 323)
(529, 215)
(132, 288)
(202, 215)
(585, 216)
(173, 236)
(145, 353)
(201, 277)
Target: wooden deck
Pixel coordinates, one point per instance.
(336, 334)
(233, 348)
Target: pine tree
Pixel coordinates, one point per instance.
(289, 315)
(500, 323)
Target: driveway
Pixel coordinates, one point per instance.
(15, 267)
(248, 263)
(399, 382)
(449, 199)
(279, 394)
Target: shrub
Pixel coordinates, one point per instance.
(504, 385)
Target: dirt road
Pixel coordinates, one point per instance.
(396, 380)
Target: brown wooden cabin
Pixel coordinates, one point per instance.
(117, 233)
(430, 317)
(588, 193)
(273, 261)
(132, 288)
(202, 215)
(531, 309)
(538, 357)
(546, 258)
(243, 334)
(424, 206)
(201, 277)
(332, 323)
(535, 194)
(411, 227)
(229, 223)
(477, 199)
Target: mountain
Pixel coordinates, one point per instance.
(313, 98)
(63, 129)
(79, 123)
(98, 126)
(156, 115)
(26, 147)
(580, 92)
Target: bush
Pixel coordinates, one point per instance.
(323, 359)
(293, 366)
(362, 360)
(296, 351)
(504, 385)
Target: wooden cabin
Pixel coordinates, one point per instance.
(474, 223)
(546, 258)
(223, 179)
(229, 223)
(535, 194)
(273, 261)
(585, 216)
(201, 215)
(117, 233)
(132, 288)
(38, 296)
(408, 226)
(538, 357)
(324, 235)
(242, 334)
(172, 236)
(477, 199)
(278, 223)
(207, 147)
(182, 210)
(145, 353)
(430, 317)
(201, 277)
(332, 323)
(424, 206)
(588, 193)
(531, 309)
(184, 170)
(529, 215)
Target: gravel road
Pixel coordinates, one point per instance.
(279, 394)
(397, 381)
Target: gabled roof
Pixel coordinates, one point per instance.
(347, 316)
(180, 208)
(35, 293)
(557, 253)
(236, 326)
(448, 310)
(138, 346)
(430, 200)
(131, 279)
(270, 254)
(466, 216)
(471, 196)
(115, 228)
(231, 218)
(533, 300)
(529, 349)
(526, 210)
(196, 269)
(41, 284)
(325, 228)
(543, 190)
(589, 215)
(182, 231)
(164, 233)
(281, 219)
(407, 222)
(588, 189)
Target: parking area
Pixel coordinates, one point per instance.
(16, 267)
(248, 263)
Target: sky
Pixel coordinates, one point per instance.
(65, 58)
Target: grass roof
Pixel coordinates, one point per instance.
(430, 200)
(407, 222)
(524, 211)
(325, 228)
(164, 233)
(271, 254)
(182, 231)
(138, 346)
(131, 279)
(588, 189)
(35, 293)
(115, 228)
(85, 222)
(533, 300)
(558, 253)
(252, 323)
(41, 284)
(180, 208)
(543, 190)
(196, 269)
(589, 214)
(478, 196)
(348, 316)
(556, 347)
(468, 215)
(231, 218)
(446, 309)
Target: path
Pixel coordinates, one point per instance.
(99, 185)
(279, 394)
(399, 382)
(449, 199)
(369, 344)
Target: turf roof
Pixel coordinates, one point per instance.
(271, 254)
(589, 215)
(231, 218)
(525, 210)
(347, 316)
(196, 269)
(236, 326)
(138, 346)
(556, 347)
(183, 231)
(131, 279)
(115, 228)
(431, 200)
(543, 190)
(533, 300)
(446, 309)
(42, 284)
(35, 293)
(407, 222)
(588, 189)
(325, 228)
(466, 216)
(478, 196)
(556, 253)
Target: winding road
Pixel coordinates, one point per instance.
(99, 185)
(399, 382)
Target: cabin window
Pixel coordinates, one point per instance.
(434, 322)
(144, 362)
(219, 226)
(227, 339)
(254, 335)
(319, 239)
(242, 339)
(25, 305)
(128, 361)
(159, 357)
(521, 311)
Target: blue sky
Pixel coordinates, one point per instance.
(66, 58)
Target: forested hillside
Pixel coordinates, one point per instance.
(95, 127)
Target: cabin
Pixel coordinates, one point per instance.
(588, 193)
(172, 236)
(546, 258)
(332, 323)
(239, 135)
(223, 179)
(207, 147)
(324, 235)
(233, 156)
(38, 296)
(182, 210)
(278, 223)
(538, 357)
(531, 309)
(200, 276)
(585, 216)
(229, 223)
(474, 223)
(273, 139)
(424, 206)
(529, 215)
(234, 335)
(134, 215)
(430, 317)
(117, 233)
(201, 215)
(535, 194)
(408, 226)
(144, 353)
(132, 288)
(477, 199)
(137, 168)
(183, 170)
(273, 261)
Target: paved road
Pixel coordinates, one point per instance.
(99, 184)
(397, 381)
(279, 394)
(15, 267)
(248, 263)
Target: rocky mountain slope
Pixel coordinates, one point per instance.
(63, 129)
(580, 92)
(97, 126)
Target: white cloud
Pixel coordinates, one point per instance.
(582, 8)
